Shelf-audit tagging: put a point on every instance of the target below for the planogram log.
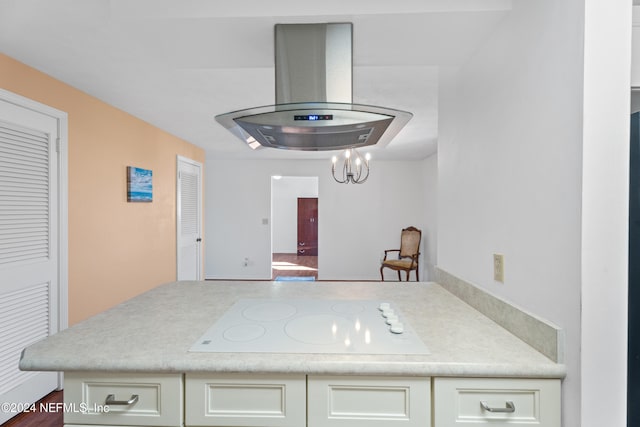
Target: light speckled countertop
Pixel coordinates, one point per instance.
(154, 331)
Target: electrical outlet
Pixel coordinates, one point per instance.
(498, 268)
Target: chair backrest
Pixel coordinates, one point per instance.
(410, 241)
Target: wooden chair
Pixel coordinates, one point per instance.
(408, 254)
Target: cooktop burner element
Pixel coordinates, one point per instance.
(311, 326)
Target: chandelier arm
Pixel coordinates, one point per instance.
(365, 177)
(333, 172)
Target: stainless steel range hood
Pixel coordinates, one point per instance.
(313, 110)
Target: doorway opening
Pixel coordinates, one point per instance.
(294, 227)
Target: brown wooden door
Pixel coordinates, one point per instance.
(308, 226)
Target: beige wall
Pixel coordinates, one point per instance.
(116, 249)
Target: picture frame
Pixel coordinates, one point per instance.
(139, 185)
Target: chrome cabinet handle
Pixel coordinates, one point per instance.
(111, 400)
(509, 408)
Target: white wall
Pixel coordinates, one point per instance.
(355, 222)
(430, 200)
(605, 201)
(509, 169)
(285, 192)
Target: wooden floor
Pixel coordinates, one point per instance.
(53, 417)
(294, 265)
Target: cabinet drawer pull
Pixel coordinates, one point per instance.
(509, 408)
(111, 400)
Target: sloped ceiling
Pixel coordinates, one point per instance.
(176, 64)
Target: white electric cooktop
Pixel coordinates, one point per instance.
(311, 326)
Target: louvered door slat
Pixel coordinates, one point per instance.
(23, 247)
(28, 236)
(27, 330)
(32, 198)
(26, 164)
(17, 179)
(16, 230)
(189, 200)
(24, 194)
(14, 132)
(22, 159)
(29, 313)
(21, 173)
(18, 227)
(12, 299)
(19, 143)
(19, 147)
(19, 314)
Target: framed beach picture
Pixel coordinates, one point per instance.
(139, 185)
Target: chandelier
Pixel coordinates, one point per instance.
(355, 169)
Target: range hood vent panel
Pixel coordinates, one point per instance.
(314, 110)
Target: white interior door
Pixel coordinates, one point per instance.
(189, 219)
(30, 250)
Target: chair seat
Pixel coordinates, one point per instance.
(398, 263)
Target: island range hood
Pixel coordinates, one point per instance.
(313, 110)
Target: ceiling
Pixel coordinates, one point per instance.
(178, 63)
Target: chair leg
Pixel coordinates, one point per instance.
(417, 275)
(408, 271)
(399, 278)
(381, 273)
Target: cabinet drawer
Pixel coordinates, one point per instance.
(245, 400)
(339, 401)
(89, 397)
(496, 401)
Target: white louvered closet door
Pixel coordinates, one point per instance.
(189, 212)
(28, 247)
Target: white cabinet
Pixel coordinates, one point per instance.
(123, 399)
(246, 400)
(281, 400)
(496, 401)
(355, 401)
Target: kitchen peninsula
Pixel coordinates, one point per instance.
(135, 358)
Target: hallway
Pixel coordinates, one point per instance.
(294, 265)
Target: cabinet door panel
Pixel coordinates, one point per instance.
(245, 400)
(338, 401)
